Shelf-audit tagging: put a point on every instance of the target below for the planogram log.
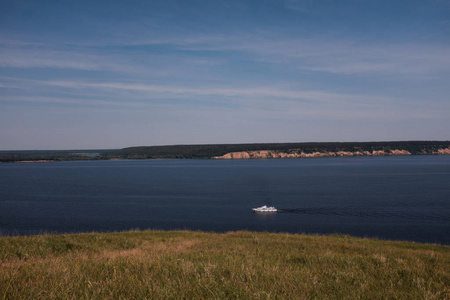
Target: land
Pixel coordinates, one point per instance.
(238, 151)
(25, 156)
(199, 265)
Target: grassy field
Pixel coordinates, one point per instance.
(197, 265)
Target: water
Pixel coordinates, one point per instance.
(398, 198)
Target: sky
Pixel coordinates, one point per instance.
(113, 74)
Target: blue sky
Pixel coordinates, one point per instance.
(113, 74)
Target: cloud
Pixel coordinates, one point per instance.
(46, 59)
(254, 92)
(71, 101)
(340, 56)
(320, 54)
(300, 6)
(125, 60)
(259, 100)
(326, 54)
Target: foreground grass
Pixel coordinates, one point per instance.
(184, 264)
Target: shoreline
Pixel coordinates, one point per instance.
(235, 151)
(193, 231)
(296, 153)
(248, 155)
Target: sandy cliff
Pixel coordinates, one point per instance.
(445, 151)
(296, 153)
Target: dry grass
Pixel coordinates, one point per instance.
(196, 265)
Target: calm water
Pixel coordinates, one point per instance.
(401, 198)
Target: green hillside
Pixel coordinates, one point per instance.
(234, 265)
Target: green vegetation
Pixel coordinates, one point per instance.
(52, 155)
(197, 265)
(209, 151)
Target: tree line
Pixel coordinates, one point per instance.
(208, 151)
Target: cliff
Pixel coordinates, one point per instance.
(296, 153)
(237, 151)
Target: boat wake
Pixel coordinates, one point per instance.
(333, 211)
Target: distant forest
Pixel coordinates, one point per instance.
(210, 151)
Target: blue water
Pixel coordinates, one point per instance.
(398, 198)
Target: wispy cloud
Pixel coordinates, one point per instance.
(130, 63)
(329, 54)
(72, 101)
(341, 56)
(321, 54)
(300, 6)
(46, 59)
(277, 102)
(255, 92)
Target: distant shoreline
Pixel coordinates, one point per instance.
(33, 161)
(255, 155)
(299, 154)
(237, 151)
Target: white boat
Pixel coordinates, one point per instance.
(265, 209)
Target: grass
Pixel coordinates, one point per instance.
(198, 265)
